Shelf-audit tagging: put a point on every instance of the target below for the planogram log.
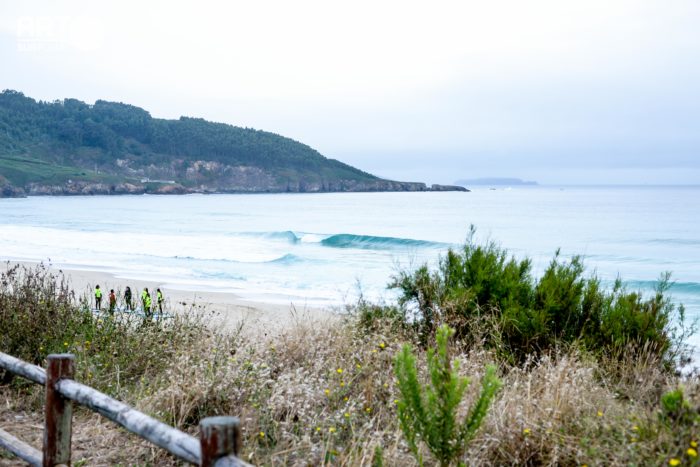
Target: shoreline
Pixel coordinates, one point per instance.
(228, 310)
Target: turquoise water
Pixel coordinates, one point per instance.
(323, 249)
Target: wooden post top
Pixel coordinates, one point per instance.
(220, 421)
(61, 356)
(219, 437)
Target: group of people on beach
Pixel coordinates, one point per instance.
(146, 300)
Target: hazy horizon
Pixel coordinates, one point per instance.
(554, 92)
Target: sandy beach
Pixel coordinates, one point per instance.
(226, 309)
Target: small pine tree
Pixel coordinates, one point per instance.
(429, 412)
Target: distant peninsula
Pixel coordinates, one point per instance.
(68, 147)
(495, 181)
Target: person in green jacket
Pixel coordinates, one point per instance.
(149, 309)
(98, 297)
(146, 301)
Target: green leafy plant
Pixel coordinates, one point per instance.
(480, 289)
(428, 412)
(675, 408)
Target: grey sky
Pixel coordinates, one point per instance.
(557, 91)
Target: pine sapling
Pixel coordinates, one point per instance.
(428, 412)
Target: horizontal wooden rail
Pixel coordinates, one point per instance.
(20, 449)
(25, 370)
(174, 441)
(219, 436)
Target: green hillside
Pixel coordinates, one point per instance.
(70, 147)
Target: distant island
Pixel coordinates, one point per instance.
(68, 147)
(494, 181)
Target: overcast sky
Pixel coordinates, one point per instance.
(586, 91)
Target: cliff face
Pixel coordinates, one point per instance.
(81, 188)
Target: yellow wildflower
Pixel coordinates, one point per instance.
(692, 452)
(340, 371)
(600, 414)
(331, 430)
(342, 384)
(382, 345)
(318, 428)
(65, 344)
(345, 398)
(374, 350)
(327, 391)
(526, 431)
(368, 409)
(386, 385)
(261, 434)
(358, 366)
(635, 428)
(673, 461)
(694, 444)
(347, 415)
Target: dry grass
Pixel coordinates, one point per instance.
(324, 392)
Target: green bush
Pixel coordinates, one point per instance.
(428, 412)
(482, 284)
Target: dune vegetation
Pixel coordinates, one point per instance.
(479, 363)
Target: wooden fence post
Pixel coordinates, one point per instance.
(219, 437)
(59, 411)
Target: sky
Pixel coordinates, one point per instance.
(556, 91)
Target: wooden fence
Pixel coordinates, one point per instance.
(218, 445)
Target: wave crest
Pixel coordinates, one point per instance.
(370, 242)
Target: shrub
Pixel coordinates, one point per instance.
(481, 284)
(429, 413)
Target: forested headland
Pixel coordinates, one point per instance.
(71, 147)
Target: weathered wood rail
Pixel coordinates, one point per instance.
(218, 445)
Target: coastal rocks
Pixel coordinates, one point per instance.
(436, 187)
(78, 188)
(11, 191)
(170, 189)
(128, 189)
(35, 189)
(214, 177)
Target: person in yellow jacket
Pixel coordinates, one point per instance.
(98, 297)
(159, 300)
(146, 301)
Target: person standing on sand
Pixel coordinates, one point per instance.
(112, 301)
(159, 299)
(146, 301)
(98, 297)
(127, 299)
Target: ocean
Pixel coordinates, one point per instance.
(324, 250)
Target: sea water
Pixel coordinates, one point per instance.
(327, 249)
